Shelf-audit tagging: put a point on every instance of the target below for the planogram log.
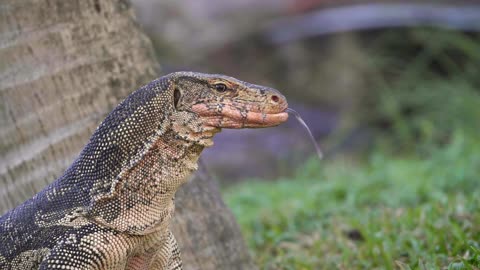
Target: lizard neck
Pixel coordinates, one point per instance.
(142, 199)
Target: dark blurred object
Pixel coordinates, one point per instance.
(355, 235)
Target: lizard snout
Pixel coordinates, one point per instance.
(276, 102)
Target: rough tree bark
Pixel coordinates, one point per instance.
(63, 66)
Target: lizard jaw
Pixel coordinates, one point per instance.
(231, 117)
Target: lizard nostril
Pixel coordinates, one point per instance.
(275, 98)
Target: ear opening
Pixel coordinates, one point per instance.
(176, 97)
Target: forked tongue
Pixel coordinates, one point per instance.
(300, 120)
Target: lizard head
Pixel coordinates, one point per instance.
(225, 102)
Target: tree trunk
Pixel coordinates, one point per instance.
(63, 66)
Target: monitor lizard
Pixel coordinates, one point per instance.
(112, 207)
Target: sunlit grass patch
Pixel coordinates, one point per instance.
(387, 213)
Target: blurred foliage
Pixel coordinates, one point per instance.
(425, 86)
(385, 213)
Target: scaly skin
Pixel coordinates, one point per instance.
(112, 207)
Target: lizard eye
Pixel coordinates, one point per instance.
(220, 87)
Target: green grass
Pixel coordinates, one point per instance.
(384, 213)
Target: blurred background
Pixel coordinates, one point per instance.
(391, 91)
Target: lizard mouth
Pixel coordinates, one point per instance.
(230, 116)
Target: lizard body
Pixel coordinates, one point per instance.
(112, 207)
